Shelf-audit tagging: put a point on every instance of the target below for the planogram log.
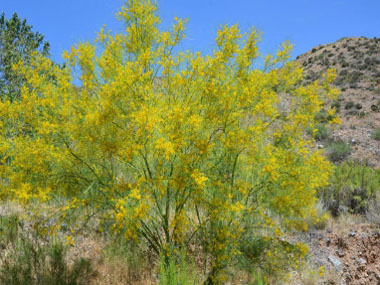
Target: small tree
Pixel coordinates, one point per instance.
(17, 42)
(172, 148)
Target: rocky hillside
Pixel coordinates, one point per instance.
(357, 61)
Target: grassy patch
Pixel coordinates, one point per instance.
(376, 134)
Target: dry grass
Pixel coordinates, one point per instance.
(10, 208)
(342, 224)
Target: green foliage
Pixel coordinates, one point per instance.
(336, 104)
(349, 105)
(17, 43)
(258, 279)
(168, 148)
(351, 188)
(270, 257)
(362, 114)
(175, 270)
(338, 150)
(9, 229)
(31, 260)
(324, 116)
(376, 134)
(322, 132)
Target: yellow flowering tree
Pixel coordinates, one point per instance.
(173, 148)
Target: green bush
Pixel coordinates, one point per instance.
(349, 105)
(361, 114)
(338, 151)
(336, 105)
(31, 260)
(352, 188)
(358, 106)
(322, 132)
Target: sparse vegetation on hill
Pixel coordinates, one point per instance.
(357, 62)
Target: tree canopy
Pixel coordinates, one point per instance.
(17, 43)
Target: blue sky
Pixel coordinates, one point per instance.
(305, 23)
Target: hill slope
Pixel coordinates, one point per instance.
(357, 61)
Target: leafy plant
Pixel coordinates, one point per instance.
(17, 43)
(29, 261)
(175, 270)
(338, 150)
(169, 148)
(320, 131)
(353, 186)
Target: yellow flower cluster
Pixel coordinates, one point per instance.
(173, 147)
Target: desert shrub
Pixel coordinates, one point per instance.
(343, 73)
(353, 85)
(338, 151)
(358, 106)
(349, 105)
(319, 132)
(256, 248)
(312, 75)
(324, 116)
(320, 57)
(362, 114)
(354, 76)
(169, 148)
(376, 134)
(32, 260)
(352, 188)
(336, 104)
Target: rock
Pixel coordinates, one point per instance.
(351, 234)
(362, 260)
(336, 262)
(328, 242)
